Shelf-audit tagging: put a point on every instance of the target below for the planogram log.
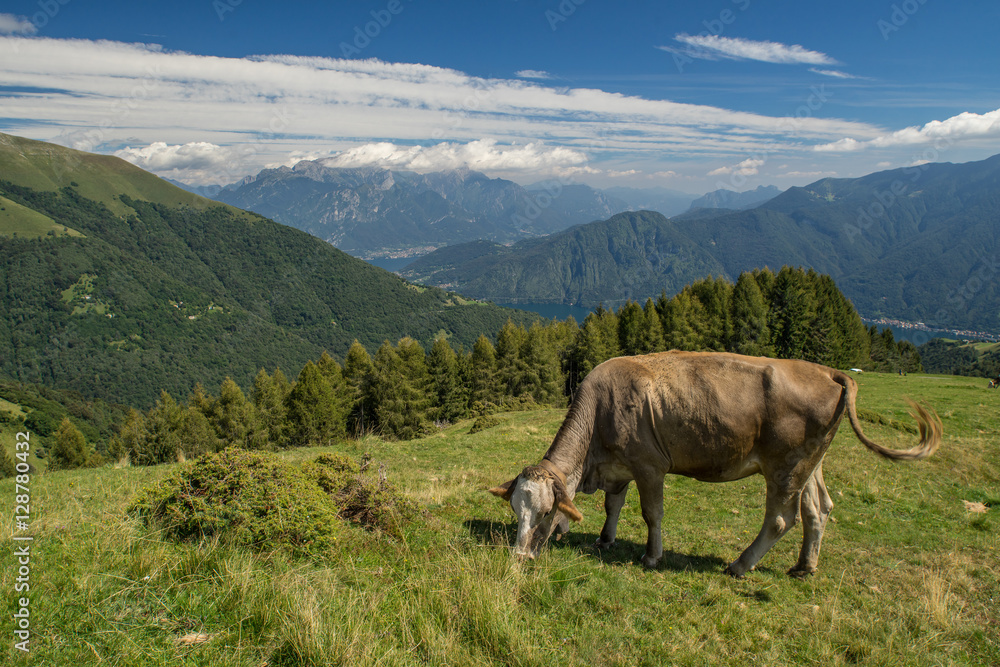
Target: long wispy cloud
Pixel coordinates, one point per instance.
(175, 106)
(717, 47)
(964, 126)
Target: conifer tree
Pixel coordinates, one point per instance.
(358, 371)
(70, 449)
(269, 396)
(130, 437)
(397, 398)
(511, 368)
(751, 334)
(311, 409)
(542, 377)
(448, 397)
(235, 418)
(484, 383)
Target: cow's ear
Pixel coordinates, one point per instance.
(505, 490)
(567, 507)
(563, 502)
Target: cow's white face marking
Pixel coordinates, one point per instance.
(533, 502)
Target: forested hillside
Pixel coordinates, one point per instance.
(160, 296)
(916, 244)
(632, 255)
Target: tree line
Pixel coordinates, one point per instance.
(404, 391)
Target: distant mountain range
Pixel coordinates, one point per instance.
(116, 284)
(371, 212)
(378, 213)
(736, 200)
(918, 244)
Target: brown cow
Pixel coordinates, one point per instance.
(715, 417)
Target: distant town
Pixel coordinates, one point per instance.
(898, 325)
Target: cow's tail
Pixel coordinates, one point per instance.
(927, 420)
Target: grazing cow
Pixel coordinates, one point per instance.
(715, 417)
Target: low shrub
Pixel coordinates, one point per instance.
(363, 496)
(483, 423)
(257, 500)
(246, 498)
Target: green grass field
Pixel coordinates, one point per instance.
(909, 575)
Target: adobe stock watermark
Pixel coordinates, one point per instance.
(792, 126)
(958, 299)
(898, 16)
(22, 542)
(276, 125)
(363, 35)
(899, 188)
(562, 12)
(714, 27)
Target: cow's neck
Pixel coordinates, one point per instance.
(569, 461)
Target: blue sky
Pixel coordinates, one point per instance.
(689, 96)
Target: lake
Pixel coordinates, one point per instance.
(555, 311)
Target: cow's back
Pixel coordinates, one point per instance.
(712, 415)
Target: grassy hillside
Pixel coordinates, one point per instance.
(908, 574)
(44, 166)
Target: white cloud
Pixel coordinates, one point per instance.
(94, 94)
(533, 74)
(715, 47)
(884, 164)
(159, 156)
(748, 167)
(670, 173)
(626, 173)
(837, 74)
(480, 155)
(16, 25)
(964, 126)
(807, 174)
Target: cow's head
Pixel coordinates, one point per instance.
(541, 504)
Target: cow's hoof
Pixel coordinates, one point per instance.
(650, 563)
(800, 572)
(733, 573)
(600, 545)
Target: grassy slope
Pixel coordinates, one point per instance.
(28, 223)
(43, 166)
(907, 576)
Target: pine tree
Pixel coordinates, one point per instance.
(398, 403)
(235, 418)
(483, 381)
(631, 323)
(751, 334)
(131, 437)
(269, 396)
(542, 377)
(358, 370)
(311, 409)
(511, 368)
(448, 397)
(70, 449)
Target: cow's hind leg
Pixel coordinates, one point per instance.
(816, 506)
(614, 499)
(780, 515)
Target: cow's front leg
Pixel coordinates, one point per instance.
(651, 501)
(614, 499)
